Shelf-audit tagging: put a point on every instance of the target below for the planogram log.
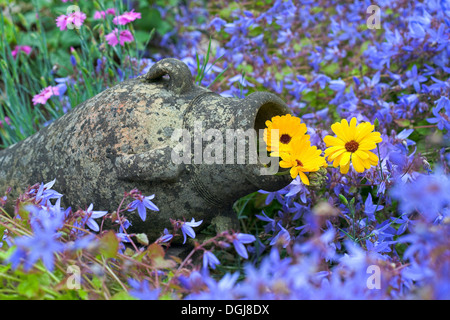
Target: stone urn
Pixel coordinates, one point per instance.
(161, 134)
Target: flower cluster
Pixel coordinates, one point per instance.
(286, 137)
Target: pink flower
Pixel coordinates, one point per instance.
(113, 39)
(77, 18)
(111, 11)
(102, 14)
(45, 94)
(7, 121)
(127, 17)
(17, 49)
(61, 22)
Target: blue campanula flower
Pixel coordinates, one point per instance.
(43, 244)
(142, 290)
(370, 208)
(45, 193)
(239, 240)
(142, 204)
(209, 259)
(186, 228)
(91, 215)
(427, 194)
(166, 237)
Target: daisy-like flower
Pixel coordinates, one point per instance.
(352, 144)
(45, 94)
(115, 37)
(286, 128)
(301, 158)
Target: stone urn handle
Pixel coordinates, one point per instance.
(180, 76)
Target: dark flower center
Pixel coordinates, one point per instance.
(285, 138)
(352, 146)
(299, 163)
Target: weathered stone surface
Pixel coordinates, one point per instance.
(121, 139)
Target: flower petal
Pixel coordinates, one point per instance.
(337, 129)
(362, 154)
(344, 169)
(245, 238)
(142, 211)
(240, 249)
(362, 130)
(345, 159)
(357, 163)
(304, 178)
(333, 141)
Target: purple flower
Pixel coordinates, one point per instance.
(44, 193)
(49, 217)
(43, 244)
(428, 194)
(194, 282)
(442, 120)
(91, 215)
(217, 23)
(218, 290)
(209, 259)
(283, 237)
(337, 85)
(166, 237)
(142, 291)
(239, 240)
(369, 208)
(142, 204)
(186, 228)
(82, 243)
(414, 78)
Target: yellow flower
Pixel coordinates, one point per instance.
(288, 128)
(352, 144)
(301, 158)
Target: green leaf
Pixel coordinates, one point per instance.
(109, 245)
(142, 239)
(29, 287)
(122, 295)
(310, 96)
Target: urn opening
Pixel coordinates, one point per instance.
(266, 112)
